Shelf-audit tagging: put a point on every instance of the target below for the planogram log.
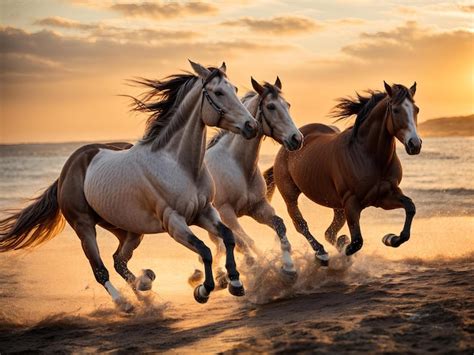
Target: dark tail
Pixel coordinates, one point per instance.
(268, 176)
(39, 222)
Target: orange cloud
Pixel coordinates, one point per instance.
(280, 25)
(98, 30)
(164, 10)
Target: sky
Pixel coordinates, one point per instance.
(65, 63)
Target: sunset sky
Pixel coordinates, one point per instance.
(64, 62)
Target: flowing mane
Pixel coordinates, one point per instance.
(269, 89)
(362, 106)
(162, 102)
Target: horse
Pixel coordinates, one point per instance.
(240, 187)
(158, 185)
(351, 170)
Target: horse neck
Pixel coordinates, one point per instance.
(246, 151)
(188, 144)
(375, 137)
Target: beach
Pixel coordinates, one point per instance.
(414, 299)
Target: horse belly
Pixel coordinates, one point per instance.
(118, 198)
(315, 179)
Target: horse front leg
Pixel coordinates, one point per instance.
(352, 211)
(177, 227)
(209, 220)
(399, 200)
(264, 213)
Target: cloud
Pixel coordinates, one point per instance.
(102, 31)
(83, 55)
(466, 8)
(348, 21)
(60, 22)
(163, 10)
(280, 25)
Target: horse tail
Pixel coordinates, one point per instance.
(34, 225)
(269, 179)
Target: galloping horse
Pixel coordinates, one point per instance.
(158, 185)
(240, 187)
(352, 170)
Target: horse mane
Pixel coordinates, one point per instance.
(362, 106)
(269, 89)
(161, 101)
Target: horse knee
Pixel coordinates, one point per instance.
(204, 252)
(227, 235)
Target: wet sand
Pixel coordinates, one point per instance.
(367, 304)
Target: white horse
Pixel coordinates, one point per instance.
(240, 186)
(158, 185)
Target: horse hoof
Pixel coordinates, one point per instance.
(236, 290)
(289, 275)
(198, 296)
(352, 248)
(221, 280)
(322, 259)
(195, 278)
(124, 306)
(145, 280)
(342, 242)
(388, 239)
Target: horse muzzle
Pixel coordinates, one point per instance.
(413, 146)
(249, 130)
(295, 142)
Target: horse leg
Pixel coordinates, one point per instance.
(244, 244)
(178, 229)
(221, 276)
(85, 229)
(336, 225)
(302, 227)
(128, 242)
(352, 211)
(209, 220)
(399, 200)
(265, 214)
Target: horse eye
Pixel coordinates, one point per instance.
(271, 106)
(396, 110)
(218, 93)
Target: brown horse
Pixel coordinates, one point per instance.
(159, 185)
(352, 170)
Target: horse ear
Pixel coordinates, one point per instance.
(278, 83)
(388, 88)
(199, 69)
(256, 86)
(223, 67)
(413, 89)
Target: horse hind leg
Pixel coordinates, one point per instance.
(128, 242)
(85, 229)
(331, 233)
(290, 193)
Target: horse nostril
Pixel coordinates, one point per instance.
(410, 144)
(248, 126)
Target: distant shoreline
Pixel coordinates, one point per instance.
(458, 126)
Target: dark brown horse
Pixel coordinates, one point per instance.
(352, 170)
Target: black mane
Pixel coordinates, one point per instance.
(362, 106)
(161, 102)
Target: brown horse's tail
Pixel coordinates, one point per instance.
(268, 176)
(33, 225)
